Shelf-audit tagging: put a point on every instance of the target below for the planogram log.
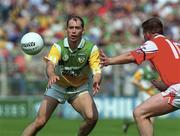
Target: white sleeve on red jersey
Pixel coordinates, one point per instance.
(175, 43)
(145, 52)
(149, 47)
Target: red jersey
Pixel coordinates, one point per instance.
(164, 55)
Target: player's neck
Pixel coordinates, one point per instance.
(154, 35)
(74, 44)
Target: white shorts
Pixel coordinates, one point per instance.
(63, 94)
(173, 95)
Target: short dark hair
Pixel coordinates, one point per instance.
(153, 25)
(74, 17)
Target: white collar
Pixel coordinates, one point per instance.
(159, 35)
(81, 44)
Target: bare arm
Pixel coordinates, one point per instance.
(52, 77)
(50, 68)
(160, 85)
(96, 83)
(120, 59)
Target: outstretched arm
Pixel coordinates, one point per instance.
(120, 59)
(51, 60)
(52, 77)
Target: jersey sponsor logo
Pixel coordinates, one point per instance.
(73, 73)
(68, 71)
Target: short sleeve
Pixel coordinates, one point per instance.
(54, 54)
(145, 52)
(94, 60)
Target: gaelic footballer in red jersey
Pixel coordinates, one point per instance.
(165, 56)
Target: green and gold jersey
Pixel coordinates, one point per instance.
(144, 76)
(74, 66)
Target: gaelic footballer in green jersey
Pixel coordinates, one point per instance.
(73, 66)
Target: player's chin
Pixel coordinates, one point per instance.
(73, 39)
(96, 90)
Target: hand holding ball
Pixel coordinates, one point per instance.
(32, 43)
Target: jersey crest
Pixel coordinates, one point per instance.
(81, 57)
(65, 57)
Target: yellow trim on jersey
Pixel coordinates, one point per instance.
(54, 54)
(94, 61)
(137, 77)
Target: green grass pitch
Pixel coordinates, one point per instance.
(109, 127)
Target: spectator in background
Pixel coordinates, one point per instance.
(18, 77)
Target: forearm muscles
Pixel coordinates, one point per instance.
(122, 59)
(50, 68)
(97, 78)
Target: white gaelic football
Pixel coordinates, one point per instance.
(32, 43)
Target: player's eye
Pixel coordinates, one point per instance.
(71, 27)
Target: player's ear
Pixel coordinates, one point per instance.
(66, 29)
(149, 35)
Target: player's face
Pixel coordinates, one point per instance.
(74, 30)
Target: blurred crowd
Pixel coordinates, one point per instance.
(113, 25)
